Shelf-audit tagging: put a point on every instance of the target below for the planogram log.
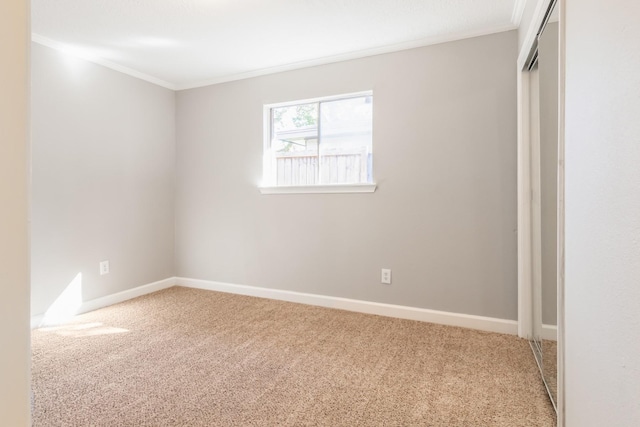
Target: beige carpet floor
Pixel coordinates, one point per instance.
(186, 357)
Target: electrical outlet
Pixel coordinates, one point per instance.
(386, 276)
(104, 267)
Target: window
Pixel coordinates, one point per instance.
(320, 144)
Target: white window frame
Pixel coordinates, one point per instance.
(268, 188)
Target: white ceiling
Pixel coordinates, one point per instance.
(189, 43)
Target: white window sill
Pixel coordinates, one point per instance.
(320, 189)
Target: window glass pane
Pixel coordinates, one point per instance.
(346, 140)
(295, 117)
(294, 144)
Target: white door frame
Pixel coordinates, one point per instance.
(561, 215)
(525, 253)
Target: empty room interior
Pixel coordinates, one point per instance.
(362, 213)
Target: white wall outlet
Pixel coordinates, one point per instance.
(386, 276)
(104, 267)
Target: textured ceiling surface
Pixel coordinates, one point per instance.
(187, 43)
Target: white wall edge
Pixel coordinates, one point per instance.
(561, 212)
(320, 189)
(94, 304)
(349, 56)
(66, 49)
(549, 332)
(488, 324)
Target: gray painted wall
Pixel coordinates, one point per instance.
(548, 74)
(602, 264)
(103, 178)
(443, 217)
(14, 201)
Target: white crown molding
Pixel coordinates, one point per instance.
(348, 56)
(94, 304)
(61, 47)
(389, 310)
(518, 10)
(45, 41)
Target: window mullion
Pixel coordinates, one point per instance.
(319, 141)
(273, 168)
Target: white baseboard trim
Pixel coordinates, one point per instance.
(412, 313)
(482, 323)
(94, 304)
(549, 332)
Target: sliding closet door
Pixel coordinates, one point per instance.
(536, 210)
(548, 85)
